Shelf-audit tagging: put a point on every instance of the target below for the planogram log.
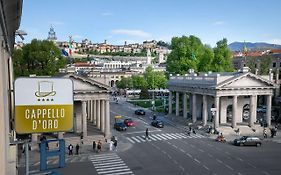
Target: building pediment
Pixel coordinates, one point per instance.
(246, 80)
(84, 84)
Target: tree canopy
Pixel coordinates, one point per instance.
(149, 80)
(188, 52)
(38, 57)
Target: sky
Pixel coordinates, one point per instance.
(135, 21)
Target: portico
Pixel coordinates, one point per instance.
(232, 96)
(91, 105)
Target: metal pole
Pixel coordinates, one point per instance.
(26, 158)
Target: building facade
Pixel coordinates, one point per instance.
(221, 97)
(10, 18)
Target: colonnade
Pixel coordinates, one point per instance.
(96, 112)
(198, 100)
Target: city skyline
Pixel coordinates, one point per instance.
(135, 22)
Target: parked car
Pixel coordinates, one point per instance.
(139, 112)
(247, 141)
(157, 123)
(129, 122)
(120, 126)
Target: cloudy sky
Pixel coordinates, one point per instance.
(136, 21)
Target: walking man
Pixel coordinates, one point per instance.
(94, 145)
(99, 146)
(264, 133)
(146, 134)
(115, 145)
(77, 149)
(70, 148)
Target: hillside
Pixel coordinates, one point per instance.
(238, 46)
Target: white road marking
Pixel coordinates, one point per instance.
(229, 167)
(189, 155)
(219, 160)
(264, 172)
(181, 168)
(201, 150)
(113, 171)
(206, 167)
(111, 168)
(197, 161)
(130, 140)
(135, 139)
(161, 137)
(210, 155)
(104, 166)
(182, 150)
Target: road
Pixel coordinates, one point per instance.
(170, 151)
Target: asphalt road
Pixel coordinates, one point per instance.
(193, 155)
(169, 151)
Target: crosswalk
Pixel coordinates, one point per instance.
(110, 164)
(163, 137)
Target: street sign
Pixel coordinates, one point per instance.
(43, 105)
(213, 109)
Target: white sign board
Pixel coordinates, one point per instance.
(43, 105)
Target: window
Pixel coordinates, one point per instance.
(274, 65)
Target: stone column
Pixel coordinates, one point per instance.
(205, 112)
(107, 133)
(91, 109)
(98, 113)
(177, 104)
(184, 99)
(194, 110)
(234, 110)
(88, 109)
(253, 110)
(217, 106)
(94, 112)
(170, 102)
(268, 110)
(277, 90)
(102, 115)
(84, 118)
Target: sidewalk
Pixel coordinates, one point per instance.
(228, 132)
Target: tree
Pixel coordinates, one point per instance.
(222, 57)
(186, 52)
(265, 62)
(139, 82)
(38, 57)
(189, 53)
(125, 83)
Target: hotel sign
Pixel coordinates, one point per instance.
(43, 105)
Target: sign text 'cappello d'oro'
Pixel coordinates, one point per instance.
(43, 105)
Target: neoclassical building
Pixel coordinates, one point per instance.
(91, 104)
(221, 97)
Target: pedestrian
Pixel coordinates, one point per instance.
(110, 145)
(99, 146)
(271, 132)
(275, 131)
(81, 138)
(115, 145)
(193, 131)
(77, 149)
(154, 117)
(94, 145)
(146, 134)
(264, 133)
(70, 148)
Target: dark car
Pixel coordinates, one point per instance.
(157, 123)
(247, 141)
(129, 122)
(120, 126)
(139, 112)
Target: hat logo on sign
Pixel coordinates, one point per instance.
(45, 88)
